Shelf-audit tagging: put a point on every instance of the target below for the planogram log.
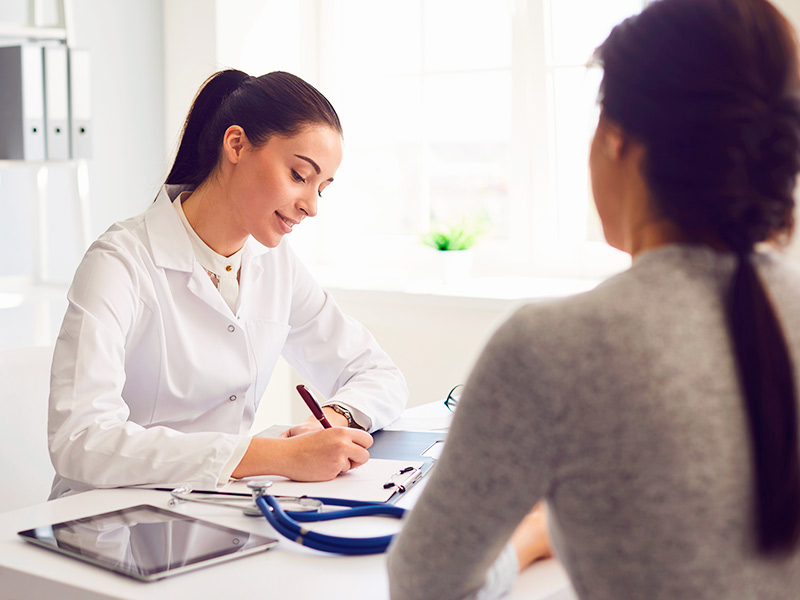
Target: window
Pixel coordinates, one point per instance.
(461, 107)
(424, 90)
(574, 29)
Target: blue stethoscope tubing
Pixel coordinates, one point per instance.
(287, 524)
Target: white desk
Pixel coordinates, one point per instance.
(286, 571)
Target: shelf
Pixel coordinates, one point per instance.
(13, 30)
(6, 163)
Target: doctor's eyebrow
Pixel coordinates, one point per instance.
(312, 163)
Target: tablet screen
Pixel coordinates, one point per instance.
(147, 542)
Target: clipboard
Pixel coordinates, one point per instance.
(409, 445)
(378, 480)
(419, 449)
(394, 444)
(422, 446)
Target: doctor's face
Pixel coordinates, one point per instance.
(277, 185)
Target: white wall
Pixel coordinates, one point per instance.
(255, 36)
(790, 8)
(126, 43)
(434, 340)
(190, 56)
(125, 40)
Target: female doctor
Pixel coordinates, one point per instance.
(177, 317)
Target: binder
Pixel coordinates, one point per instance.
(22, 126)
(80, 106)
(56, 102)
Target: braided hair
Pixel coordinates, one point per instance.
(711, 89)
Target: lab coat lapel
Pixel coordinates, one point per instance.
(172, 250)
(252, 271)
(169, 243)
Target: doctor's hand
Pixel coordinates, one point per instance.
(318, 455)
(311, 424)
(304, 427)
(324, 454)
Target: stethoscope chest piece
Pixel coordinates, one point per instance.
(259, 487)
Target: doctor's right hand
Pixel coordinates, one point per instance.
(318, 455)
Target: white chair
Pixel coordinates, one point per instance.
(25, 469)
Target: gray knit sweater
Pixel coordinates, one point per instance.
(622, 408)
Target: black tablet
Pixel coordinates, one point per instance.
(146, 542)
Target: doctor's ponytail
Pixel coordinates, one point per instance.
(277, 103)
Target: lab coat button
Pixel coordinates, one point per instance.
(232, 398)
(231, 328)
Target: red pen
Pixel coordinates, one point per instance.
(313, 405)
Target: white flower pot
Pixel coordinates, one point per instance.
(455, 265)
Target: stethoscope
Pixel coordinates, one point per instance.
(304, 509)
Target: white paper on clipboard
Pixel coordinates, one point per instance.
(365, 483)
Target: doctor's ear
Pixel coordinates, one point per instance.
(234, 141)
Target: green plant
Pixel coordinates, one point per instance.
(460, 235)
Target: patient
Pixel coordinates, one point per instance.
(657, 414)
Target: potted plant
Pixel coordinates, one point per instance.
(454, 242)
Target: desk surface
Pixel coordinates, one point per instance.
(288, 570)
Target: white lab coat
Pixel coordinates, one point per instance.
(155, 380)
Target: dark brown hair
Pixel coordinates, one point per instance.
(710, 87)
(277, 103)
